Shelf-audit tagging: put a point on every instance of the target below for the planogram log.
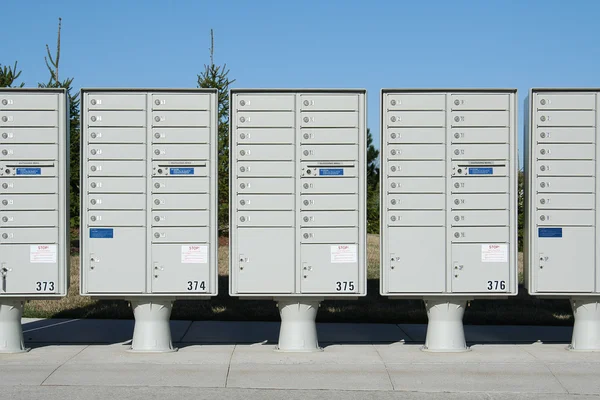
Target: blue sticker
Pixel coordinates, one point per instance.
(101, 233)
(181, 171)
(481, 171)
(29, 171)
(550, 232)
(331, 171)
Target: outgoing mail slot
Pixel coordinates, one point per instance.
(549, 184)
(116, 135)
(480, 152)
(565, 135)
(416, 135)
(329, 235)
(28, 152)
(28, 169)
(103, 201)
(180, 201)
(474, 184)
(180, 218)
(565, 101)
(28, 118)
(116, 185)
(416, 118)
(113, 101)
(266, 219)
(28, 135)
(329, 202)
(264, 136)
(488, 201)
(343, 152)
(417, 185)
(329, 218)
(266, 185)
(263, 119)
(330, 119)
(565, 118)
(566, 217)
(265, 202)
(566, 151)
(180, 101)
(492, 234)
(265, 169)
(479, 218)
(565, 168)
(417, 218)
(28, 186)
(29, 202)
(416, 168)
(175, 184)
(180, 152)
(28, 235)
(585, 201)
(116, 218)
(417, 152)
(180, 235)
(29, 219)
(180, 118)
(180, 135)
(461, 101)
(332, 185)
(37, 101)
(116, 118)
(329, 102)
(417, 201)
(329, 269)
(265, 153)
(480, 135)
(116, 151)
(266, 102)
(188, 169)
(480, 118)
(415, 101)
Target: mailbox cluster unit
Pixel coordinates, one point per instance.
(298, 193)
(149, 193)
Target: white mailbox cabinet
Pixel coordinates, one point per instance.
(448, 200)
(297, 200)
(561, 243)
(149, 197)
(34, 203)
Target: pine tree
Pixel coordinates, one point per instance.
(8, 76)
(217, 76)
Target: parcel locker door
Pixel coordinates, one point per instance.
(565, 261)
(116, 260)
(329, 268)
(416, 259)
(265, 260)
(480, 268)
(181, 268)
(29, 268)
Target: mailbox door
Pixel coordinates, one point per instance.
(180, 268)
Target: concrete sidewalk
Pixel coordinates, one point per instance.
(88, 359)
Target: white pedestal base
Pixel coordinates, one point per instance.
(152, 332)
(11, 331)
(586, 330)
(445, 332)
(298, 332)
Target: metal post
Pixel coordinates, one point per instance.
(445, 332)
(11, 331)
(152, 332)
(586, 330)
(298, 332)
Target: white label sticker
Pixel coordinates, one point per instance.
(42, 254)
(343, 253)
(494, 253)
(194, 254)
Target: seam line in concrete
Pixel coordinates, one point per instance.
(558, 380)
(186, 332)
(386, 368)
(60, 365)
(229, 365)
(51, 326)
(410, 338)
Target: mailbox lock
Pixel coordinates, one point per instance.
(93, 102)
(309, 172)
(542, 118)
(4, 119)
(393, 168)
(306, 202)
(93, 135)
(393, 136)
(160, 171)
(242, 202)
(5, 186)
(542, 217)
(457, 201)
(242, 136)
(5, 236)
(393, 201)
(93, 118)
(157, 135)
(4, 102)
(242, 119)
(543, 102)
(393, 152)
(157, 152)
(242, 103)
(457, 151)
(5, 135)
(157, 118)
(457, 119)
(157, 185)
(157, 201)
(157, 102)
(393, 119)
(242, 169)
(157, 235)
(242, 219)
(542, 201)
(393, 184)
(393, 217)
(93, 151)
(457, 185)
(393, 102)
(543, 135)
(457, 135)
(93, 201)
(305, 186)
(93, 217)
(543, 151)
(459, 171)
(5, 202)
(543, 168)
(4, 219)
(306, 119)
(306, 236)
(457, 102)
(456, 235)
(7, 171)
(242, 185)
(543, 184)
(157, 218)
(93, 167)
(306, 102)
(306, 136)
(306, 219)
(242, 152)
(306, 152)
(457, 218)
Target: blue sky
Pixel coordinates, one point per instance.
(358, 44)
